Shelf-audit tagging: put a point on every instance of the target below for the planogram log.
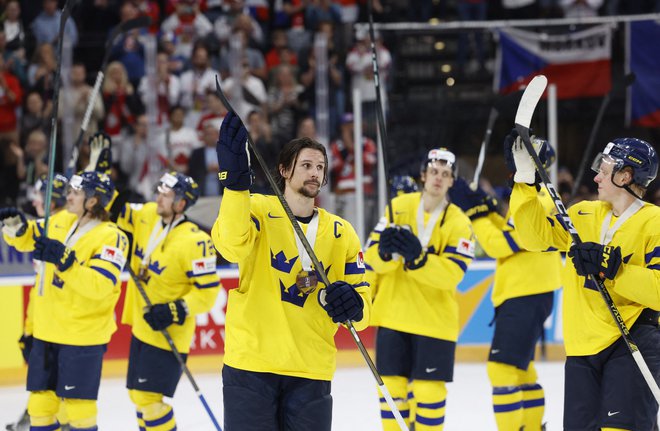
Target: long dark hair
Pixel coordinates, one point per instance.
(289, 156)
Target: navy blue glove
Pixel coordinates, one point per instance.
(508, 153)
(474, 203)
(342, 302)
(591, 258)
(233, 155)
(160, 316)
(408, 246)
(15, 223)
(386, 243)
(53, 251)
(25, 344)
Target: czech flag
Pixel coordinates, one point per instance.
(644, 61)
(578, 63)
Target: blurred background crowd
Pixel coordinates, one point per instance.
(277, 60)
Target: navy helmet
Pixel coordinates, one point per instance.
(58, 195)
(94, 184)
(182, 185)
(442, 156)
(402, 184)
(630, 152)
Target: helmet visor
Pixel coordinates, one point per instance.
(606, 164)
(76, 182)
(166, 183)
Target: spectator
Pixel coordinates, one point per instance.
(203, 165)
(280, 53)
(255, 58)
(168, 88)
(46, 25)
(12, 170)
(251, 88)
(359, 63)
(177, 62)
(188, 19)
(35, 157)
(181, 140)
(299, 38)
(214, 114)
(120, 101)
(306, 128)
(195, 83)
(14, 32)
(283, 105)
(128, 49)
(151, 9)
(75, 100)
(36, 116)
(236, 18)
(11, 97)
(261, 135)
(343, 174)
(319, 11)
(43, 64)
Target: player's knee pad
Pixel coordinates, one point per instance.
(143, 398)
(43, 404)
(398, 389)
(82, 414)
(529, 376)
(431, 399)
(158, 417)
(503, 375)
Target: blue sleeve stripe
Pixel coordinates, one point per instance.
(656, 267)
(352, 268)
(653, 254)
(256, 223)
(460, 263)
(550, 249)
(98, 256)
(361, 284)
(207, 285)
(512, 243)
(104, 272)
(450, 249)
(368, 267)
(190, 274)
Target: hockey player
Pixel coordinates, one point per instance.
(175, 261)
(420, 258)
(279, 347)
(522, 301)
(73, 319)
(604, 388)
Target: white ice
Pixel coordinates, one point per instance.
(354, 392)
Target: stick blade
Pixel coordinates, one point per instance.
(530, 99)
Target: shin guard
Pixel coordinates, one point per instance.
(398, 388)
(431, 399)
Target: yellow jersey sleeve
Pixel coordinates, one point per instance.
(496, 237)
(234, 231)
(201, 269)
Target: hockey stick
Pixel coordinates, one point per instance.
(124, 27)
(178, 356)
(526, 108)
(64, 16)
(380, 117)
(624, 83)
(317, 265)
(499, 104)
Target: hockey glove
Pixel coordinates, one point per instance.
(53, 251)
(100, 156)
(409, 246)
(25, 344)
(474, 203)
(591, 258)
(160, 316)
(233, 154)
(386, 244)
(13, 221)
(342, 302)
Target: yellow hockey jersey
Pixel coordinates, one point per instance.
(422, 301)
(588, 324)
(77, 307)
(517, 270)
(271, 326)
(182, 266)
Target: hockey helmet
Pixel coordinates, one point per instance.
(182, 185)
(402, 184)
(630, 152)
(444, 157)
(94, 184)
(58, 195)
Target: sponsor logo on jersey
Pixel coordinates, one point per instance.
(360, 260)
(465, 247)
(114, 255)
(580, 212)
(203, 266)
(270, 215)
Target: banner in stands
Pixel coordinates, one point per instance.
(644, 61)
(578, 63)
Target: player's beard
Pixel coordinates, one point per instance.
(310, 194)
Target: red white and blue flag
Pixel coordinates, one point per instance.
(644, 61)
(578, 63)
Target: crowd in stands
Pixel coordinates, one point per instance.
(276, 72)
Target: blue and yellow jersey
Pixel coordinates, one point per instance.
(182, 266)
(422, 301)
(272, 326)
(588, 324)
(517, 270)
(77, 307)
